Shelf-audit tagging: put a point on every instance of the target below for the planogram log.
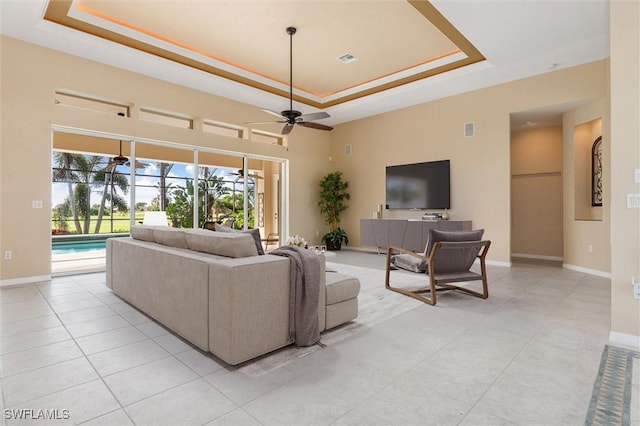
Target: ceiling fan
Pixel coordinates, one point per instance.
(292, 117)
(121, 160)
(240, 174)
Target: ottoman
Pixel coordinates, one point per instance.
(342, 299)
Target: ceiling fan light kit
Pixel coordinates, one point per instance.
(121, 160)
(292, 117)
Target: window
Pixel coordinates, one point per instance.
(223, 129)
(266, 137)
(90, 103)
(166, 118)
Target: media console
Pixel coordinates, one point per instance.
(405, 233)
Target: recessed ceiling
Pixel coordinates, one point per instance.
(396, 42)
(408, 52)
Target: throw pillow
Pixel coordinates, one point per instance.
(171, 237)
(255, 233)
(142, 233)
(409, 262)
(220, 243)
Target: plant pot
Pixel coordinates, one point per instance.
(331, 246)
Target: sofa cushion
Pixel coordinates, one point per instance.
(255, 233)
(221, 243)
(340, 288)
(171, 237)
(143, 233)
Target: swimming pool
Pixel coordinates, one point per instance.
(77, 247)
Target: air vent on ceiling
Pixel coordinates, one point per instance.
(347, 58)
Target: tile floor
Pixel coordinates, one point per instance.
(528, 355)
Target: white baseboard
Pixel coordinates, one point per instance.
(587, 270)
(498, 263)
(628, 341)
(537, 256)
(363, 249)
(25, 280)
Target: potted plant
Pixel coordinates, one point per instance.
(333, 194)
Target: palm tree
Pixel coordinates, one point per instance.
(164, 168)
(79, 171)
(64, 173)
(109, 179)
(180, 210)
(86, 168)
(212, 187)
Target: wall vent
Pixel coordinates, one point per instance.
(347, 149)
(469, 129)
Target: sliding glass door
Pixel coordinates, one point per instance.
(93, 197)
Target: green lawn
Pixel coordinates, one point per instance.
(120, 223)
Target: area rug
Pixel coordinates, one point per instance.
(375, 305)
(611, 399)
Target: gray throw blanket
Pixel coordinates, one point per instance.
(304, 295)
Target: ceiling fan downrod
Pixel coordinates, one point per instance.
(291, 31)
(292, 117)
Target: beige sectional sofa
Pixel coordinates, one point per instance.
(214, 290)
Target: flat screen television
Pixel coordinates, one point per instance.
(419, 186)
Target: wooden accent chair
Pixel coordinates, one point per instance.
(448, 258)
(272, 238)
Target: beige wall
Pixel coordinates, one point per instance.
(536, 193)
(580, 236)
(480, 165)
(29, 77)
(625, 158)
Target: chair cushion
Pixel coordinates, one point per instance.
(255, 233)
(455, 258)
(409, 262)
(436, 235)
(221, 243)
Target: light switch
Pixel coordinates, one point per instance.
(36, 204)
(633, 201)
(636, 175)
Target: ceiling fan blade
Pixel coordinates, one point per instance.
(314, 116)
(287, 129)
(240, 174)
(265, 122)
(315, 125)
(139, 165)
(277, 114)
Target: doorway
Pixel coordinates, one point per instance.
(537, 185)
